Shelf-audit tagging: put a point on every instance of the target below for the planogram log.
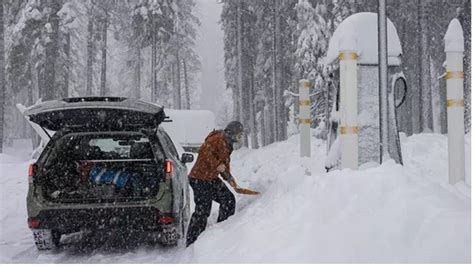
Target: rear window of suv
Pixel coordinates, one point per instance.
(118, 146)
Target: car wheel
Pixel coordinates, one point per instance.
(46, 239)
(169, 237)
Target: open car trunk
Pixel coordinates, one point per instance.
(87, 167)
(98, 113)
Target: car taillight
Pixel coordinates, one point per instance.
(33, 223)
(166, 219)
(31, 172)
(168, 168)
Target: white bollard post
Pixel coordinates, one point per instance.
(454, 48)
(305, 119)
(348, 128)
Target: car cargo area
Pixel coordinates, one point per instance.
(101, 167)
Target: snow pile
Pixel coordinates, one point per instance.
(385, 214)
(359, 32)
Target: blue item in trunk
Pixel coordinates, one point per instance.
(100, 175)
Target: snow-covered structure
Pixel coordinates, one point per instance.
(454, 48)
(359, 32)
(189, 128)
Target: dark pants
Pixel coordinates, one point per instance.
(204, 193)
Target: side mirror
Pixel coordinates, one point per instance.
(187, 158)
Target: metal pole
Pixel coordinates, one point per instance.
(383, 78)
(305, 119)
(454, 48)
(349, 129)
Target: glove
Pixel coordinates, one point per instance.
(233, 183)
(221, 168)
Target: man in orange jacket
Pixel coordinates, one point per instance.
(213, 159)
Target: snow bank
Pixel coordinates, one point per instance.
(359, 32)
(385, 214)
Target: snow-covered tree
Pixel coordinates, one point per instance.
(169, 29)
(312, 33)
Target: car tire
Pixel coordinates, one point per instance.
(46, 239)
(169, 237)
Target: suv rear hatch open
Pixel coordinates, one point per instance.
(97, 113)
(102, 153)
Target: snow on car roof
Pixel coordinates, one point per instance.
(359, 32)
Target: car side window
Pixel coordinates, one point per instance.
(169, 143)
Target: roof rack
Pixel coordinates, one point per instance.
(94, 99)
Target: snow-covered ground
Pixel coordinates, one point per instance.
(389, 213)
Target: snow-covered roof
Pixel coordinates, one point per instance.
(359, 33)
(454, 39)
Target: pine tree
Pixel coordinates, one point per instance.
(312, 41)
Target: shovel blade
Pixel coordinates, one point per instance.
(246, 191)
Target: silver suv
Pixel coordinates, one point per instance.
(108, 164)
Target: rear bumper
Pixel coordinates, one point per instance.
(73, 220)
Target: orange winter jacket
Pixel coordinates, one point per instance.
(214, 151)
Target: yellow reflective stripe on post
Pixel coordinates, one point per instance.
(352, 56)
(348, 130)
(454, 75)
(305, 102)
(455, 103)
(305, 121)
(306, 84)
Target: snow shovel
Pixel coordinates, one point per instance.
(236, 187)
(245, 191)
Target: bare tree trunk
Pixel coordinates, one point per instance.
(235, 85)
(52, 52)
(280, 110)
(153, 63)
(434, 85)
(67, 50)
(262, 126)
(274, 111)
(90, 57)
(178, 80)
(253, 124)
(173, 83)
(240, 82)
(426, 108)
(2, 75)
(466, 24)
(186, 86)
(137, 72)
(267, 111)
(103, 72)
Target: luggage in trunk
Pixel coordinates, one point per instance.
(101, 167)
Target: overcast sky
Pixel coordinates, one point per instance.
(210, 47)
